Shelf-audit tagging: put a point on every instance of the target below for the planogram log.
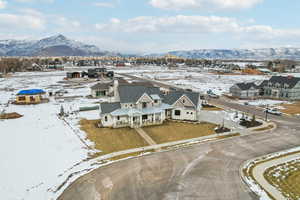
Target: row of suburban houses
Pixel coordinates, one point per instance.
(277, 87)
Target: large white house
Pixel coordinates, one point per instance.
(139, 105)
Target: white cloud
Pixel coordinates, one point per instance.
(3, 4)
(14, 21)
(35, 1)
(204, 4)
(66, 23)
(104, 4)
(175, 24)
(190, 24)
(194, 25)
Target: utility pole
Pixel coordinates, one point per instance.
(266, 113)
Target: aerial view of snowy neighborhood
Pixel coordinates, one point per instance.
(149, 100)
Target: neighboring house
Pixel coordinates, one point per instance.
(283, 87)
(103, 89)
(33, 96)
(245, 90)
(139, 106)
(71, 75)
(277, 87)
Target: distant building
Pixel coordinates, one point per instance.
(277, 87)
(245, 90)
(71, 75)
(33, 96)
(103, 89)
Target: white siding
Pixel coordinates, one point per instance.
(185, 114)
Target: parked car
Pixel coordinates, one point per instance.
(273, 111)
(214, 96)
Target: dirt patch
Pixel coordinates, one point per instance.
(108, 140)
(13, 115)
(175, 131)
(292, 109)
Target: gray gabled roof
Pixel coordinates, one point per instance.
(290, 80)
(246, 86)
(172, 97)
(109, 107)
(132, 93)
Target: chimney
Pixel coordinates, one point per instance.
(116, 92)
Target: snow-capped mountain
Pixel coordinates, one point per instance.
(261, 54)
(57, 45)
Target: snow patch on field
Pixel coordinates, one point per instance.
(39, 150)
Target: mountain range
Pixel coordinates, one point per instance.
(59, 45)
(257, 54)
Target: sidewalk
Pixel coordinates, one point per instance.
(146, 137)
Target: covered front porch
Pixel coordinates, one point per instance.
(135, 118)
(138, 120)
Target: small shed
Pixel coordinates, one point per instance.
(73, 75)
(32, 96)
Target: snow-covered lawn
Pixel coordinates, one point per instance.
(38, 149)
(192, 78)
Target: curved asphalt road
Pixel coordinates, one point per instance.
(207, 171)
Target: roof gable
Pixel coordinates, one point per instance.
(172, 97)
(132, 93)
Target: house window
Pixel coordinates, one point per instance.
(145, 117)
(187, 113)
(118, 118)
(144, 105)
(105, 118)
(177, 112)
(191, 113)
(155, 101)
(32, 98)
(183, 101)
(22, 98)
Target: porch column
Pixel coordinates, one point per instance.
(161, 117)
(141, 121)
(131, 121)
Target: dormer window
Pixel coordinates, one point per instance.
(183, 101)
(155, 101)
(144, 105)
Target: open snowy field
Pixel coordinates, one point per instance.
(38, 150)
(192, 78)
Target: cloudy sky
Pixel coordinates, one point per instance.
(156, 25)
